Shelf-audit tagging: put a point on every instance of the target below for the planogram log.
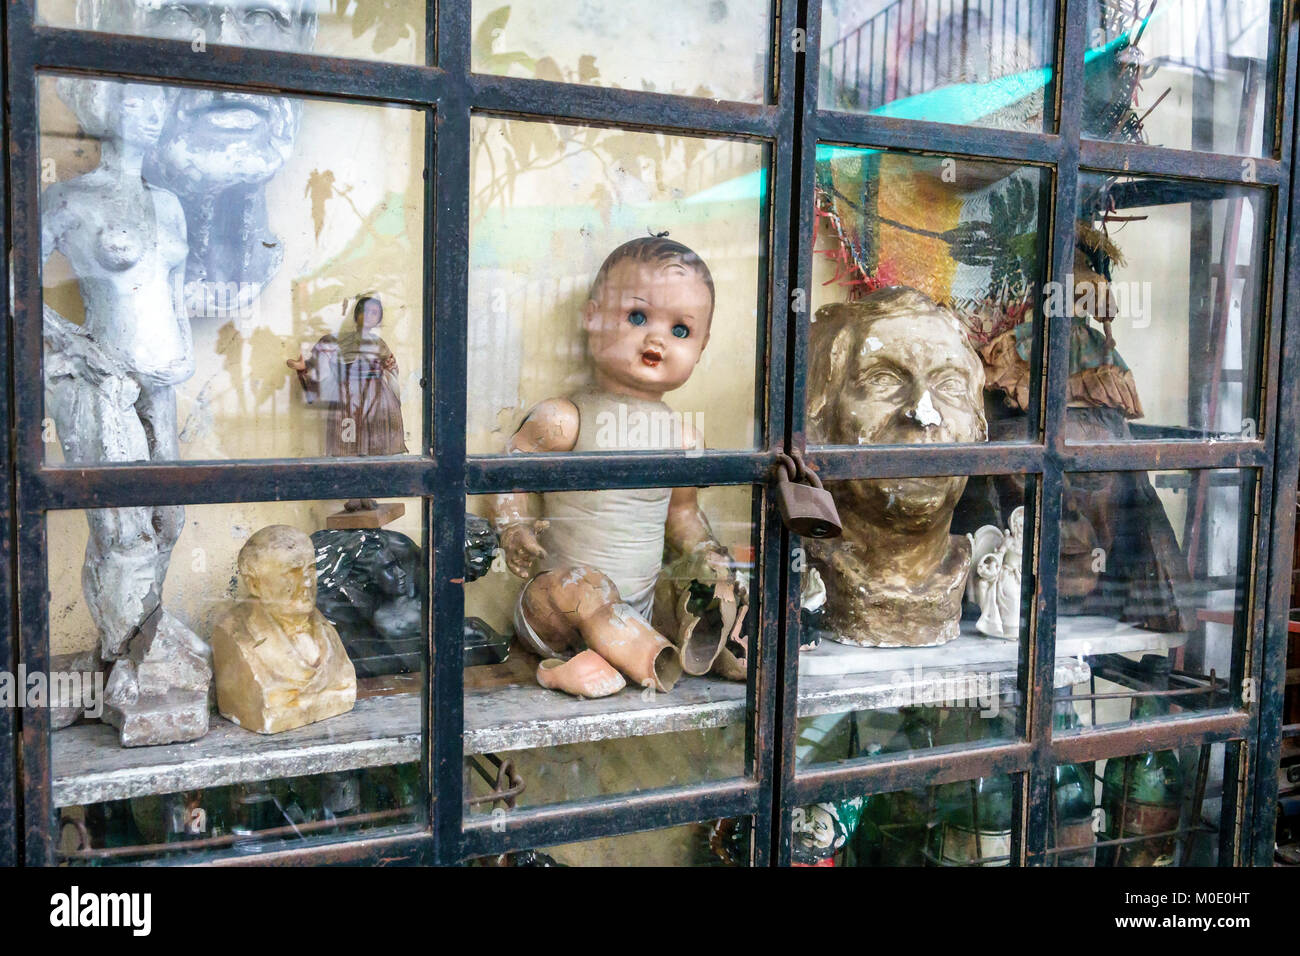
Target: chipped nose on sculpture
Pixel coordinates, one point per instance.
(924, 413)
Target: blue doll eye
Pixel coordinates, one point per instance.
(681, 331)
(636, 318)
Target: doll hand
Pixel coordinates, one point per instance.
(298, 364)
(519, 541)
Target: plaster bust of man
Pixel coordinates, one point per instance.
(219, 149)
(279, 663)
(894, 368)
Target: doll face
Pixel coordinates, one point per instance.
(647, 327)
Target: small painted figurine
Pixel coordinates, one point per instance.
(594, 560)
(355, 374)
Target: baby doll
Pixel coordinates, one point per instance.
(593, 561)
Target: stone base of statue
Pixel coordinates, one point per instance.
(382, 513)
(158, 693)
(70, 699)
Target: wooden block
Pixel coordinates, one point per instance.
(385, 513)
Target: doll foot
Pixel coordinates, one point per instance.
(585, 675)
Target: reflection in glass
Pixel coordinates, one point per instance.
(242, 818)
(719, 49)
(611, 687)
(302, 642)
(1173, 273)
(1151, 574)
(974, 62)
(200, 247)
(962, 233)
(716, 843)
(391, 30)
(615, 271)
(1186, 74)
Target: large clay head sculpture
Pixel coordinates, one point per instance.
(279, 663)
(218, 149)
(648, 317)
(894, 368)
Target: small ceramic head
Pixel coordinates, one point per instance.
(278, 566)
(648, 316)
(1017, 528)
(132, 113)
(368, 313)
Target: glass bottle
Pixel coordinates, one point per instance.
(891, 831)
(972, 819)
(1072, 796)
(1143, 794)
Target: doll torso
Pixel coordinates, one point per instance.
(617, 531)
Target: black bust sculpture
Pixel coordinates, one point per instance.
(370, 588)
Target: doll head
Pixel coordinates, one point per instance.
(648, 317)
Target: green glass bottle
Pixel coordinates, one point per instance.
(891, 831)
(1143, 794)
(1072, 795)
(972, 819)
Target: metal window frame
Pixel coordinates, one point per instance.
(790, 124)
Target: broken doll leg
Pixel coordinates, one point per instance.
(580, 605)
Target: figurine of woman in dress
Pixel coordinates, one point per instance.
(355, 374)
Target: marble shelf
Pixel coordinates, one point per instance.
(505, 710)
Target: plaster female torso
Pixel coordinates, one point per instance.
(110, 382)
(125, 240)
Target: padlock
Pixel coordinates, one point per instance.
(806, 509)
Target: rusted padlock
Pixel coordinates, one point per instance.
(807, 509)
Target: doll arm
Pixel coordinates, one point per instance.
(550, 426)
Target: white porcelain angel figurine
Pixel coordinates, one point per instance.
(996, 572)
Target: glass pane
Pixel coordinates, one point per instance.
(1287, 841)
(966, 823)
(389, 30)
(923, 326)
(224, 669)
(720, 49)
(717, 843)
(204, 307)
(1173, 275)
(920, 607)
(1186, 74)
(974, 62)
(1160, 808)
(1152, 588)
(576, 307)
(613, 643)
